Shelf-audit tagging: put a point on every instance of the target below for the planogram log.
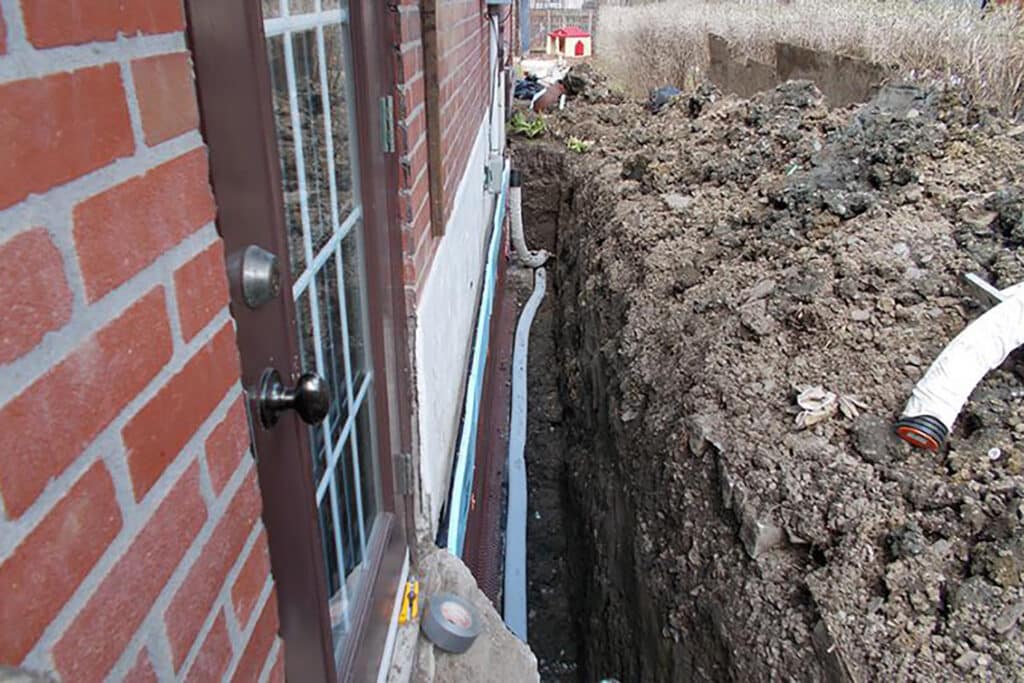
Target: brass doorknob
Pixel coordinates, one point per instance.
(309, 398)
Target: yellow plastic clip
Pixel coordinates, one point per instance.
(410, 603)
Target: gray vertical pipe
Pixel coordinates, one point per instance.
(524, 26)
(515, 525)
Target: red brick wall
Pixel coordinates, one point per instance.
(130, 538)
(463, 42)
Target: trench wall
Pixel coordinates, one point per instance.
(623, 629)
(657, 571)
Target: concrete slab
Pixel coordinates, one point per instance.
(497, 656)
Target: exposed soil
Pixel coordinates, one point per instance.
(710, 259)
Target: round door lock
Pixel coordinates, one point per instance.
(309, 398)
(261, 276)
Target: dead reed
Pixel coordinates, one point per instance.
(651, 45)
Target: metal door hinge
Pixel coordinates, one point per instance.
(387, 123)
(404, 473)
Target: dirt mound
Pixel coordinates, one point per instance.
(590, 84)
(714, 258)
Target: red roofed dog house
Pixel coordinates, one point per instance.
(570, 41)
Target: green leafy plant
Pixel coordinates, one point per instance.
(578, 145)
(531, 127)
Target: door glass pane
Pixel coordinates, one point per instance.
(330, 548)
(340, 590)
(335, 50)
(302, 6)
(355, 301)
(311, 96)
(271, 8)
(286, 151)
(333, 344)
(349, 509)
(369, 477)
(307, 361)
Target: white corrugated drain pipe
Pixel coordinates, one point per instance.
(940, 395)
(530, 259)
(515, 612)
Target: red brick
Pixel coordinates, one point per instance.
(445, 92)
(202, 289)
(412, 164)
(251, 579)
(58, 128)
(167, 97)
(277, 672)
(410, 60)
(121, 231)
(408, 240)
(409, 269)
(35, 297)
(158, 432)
(410, 201)
(214, 654)
(52, 560)
(51, 422)
(226, 445)
(421, 221)
(262, 638)
(423, 257)
(411, 131)
(100, 632)
(414, 233)
(453, 63)
(409, 24)
(194, 599)
(69, 22)
(410, 95)
(142, 672)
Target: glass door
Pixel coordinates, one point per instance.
(290, 94)
(309, 53)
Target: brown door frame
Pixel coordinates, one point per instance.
(390, 328)
(233, 84)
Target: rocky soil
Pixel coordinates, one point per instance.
(713, 258)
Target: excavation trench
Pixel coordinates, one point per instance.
(686, 521)
(593, 614)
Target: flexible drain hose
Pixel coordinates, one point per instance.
(940, 395)
(530, 259)
(515, 522)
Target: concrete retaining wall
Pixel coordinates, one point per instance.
(843, 80)
(742, 77)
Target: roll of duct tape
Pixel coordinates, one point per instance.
(451, 623)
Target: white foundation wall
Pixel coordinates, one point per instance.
(445, 323)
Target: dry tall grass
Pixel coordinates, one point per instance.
(666, 42)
